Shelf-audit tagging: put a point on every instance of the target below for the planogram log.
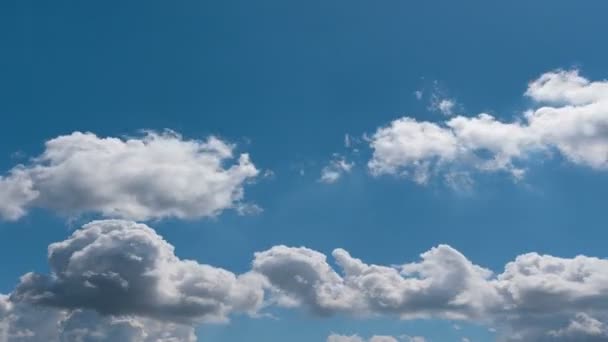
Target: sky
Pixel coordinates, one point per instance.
(338, 171)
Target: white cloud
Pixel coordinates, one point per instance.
(16, 191)
(122, 268)
(336, 168)
(537, 297)
(410, 147)
(445, 284)
(567, 87)
(150, 177)
(120, 278)
(304, 276)
(571, 117)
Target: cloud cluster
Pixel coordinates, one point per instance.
(571, 118)
(444, 284)
(119, 267)
(149, 177)
(537, 297)
(119, 278)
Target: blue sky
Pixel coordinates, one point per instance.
(285, 81)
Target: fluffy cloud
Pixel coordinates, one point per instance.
(150, 177)
(553, 299)
(537, 297)
(571, 118)
(444, 284)
(302, 276)
(411, 147)
(122, 268)
(116, 278)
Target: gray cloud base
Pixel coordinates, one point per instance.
(21, 322)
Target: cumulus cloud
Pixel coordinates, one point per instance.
(548, 298)
(570, 117)
(116, 278)
(444, 284)
(154, 176)
(117, 267)
(336, 168)
(410, 147)
(536, 297)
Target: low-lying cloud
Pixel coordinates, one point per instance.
(121, 278)
(536, 297)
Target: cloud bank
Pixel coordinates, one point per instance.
(536, 297)
(155, 176)
(570, 118)
(116, 278)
